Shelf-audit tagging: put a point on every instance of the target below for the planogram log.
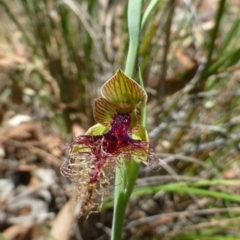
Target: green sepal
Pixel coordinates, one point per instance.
(141, 154)
(140, 134)
(78, 148)
(97, 129)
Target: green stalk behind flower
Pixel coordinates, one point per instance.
(124, 190)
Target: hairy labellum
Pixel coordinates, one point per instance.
(92, 159)
(117, 137)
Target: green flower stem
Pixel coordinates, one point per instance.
(134, 24)
(125, 178)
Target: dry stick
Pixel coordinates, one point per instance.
(213, 223)
(180, 133)
(172, 157)
(188, 213)
(47, 157)
(178, 178)
(163, 179)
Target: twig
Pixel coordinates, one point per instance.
(212, 223)
(47, 157)
(188, 213)
(157, 180)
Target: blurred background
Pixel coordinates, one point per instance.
(54, 57)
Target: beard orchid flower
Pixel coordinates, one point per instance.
(117, 137)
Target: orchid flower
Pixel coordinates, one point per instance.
(117, 138)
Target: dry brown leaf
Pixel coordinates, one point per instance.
(64, 220)
(17, 232)
(77, 130)
(24, 131)
(230, 174)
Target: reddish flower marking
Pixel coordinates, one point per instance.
(93, 159)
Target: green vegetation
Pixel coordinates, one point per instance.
(55, 56)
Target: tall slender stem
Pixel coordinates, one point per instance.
(125, 179)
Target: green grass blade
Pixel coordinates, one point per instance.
(148, 11)
(214, 33)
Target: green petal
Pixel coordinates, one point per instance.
(124, 92)
(78, 148)
(96, 129)
(140, 134)
(141, 154)
(104, 111)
